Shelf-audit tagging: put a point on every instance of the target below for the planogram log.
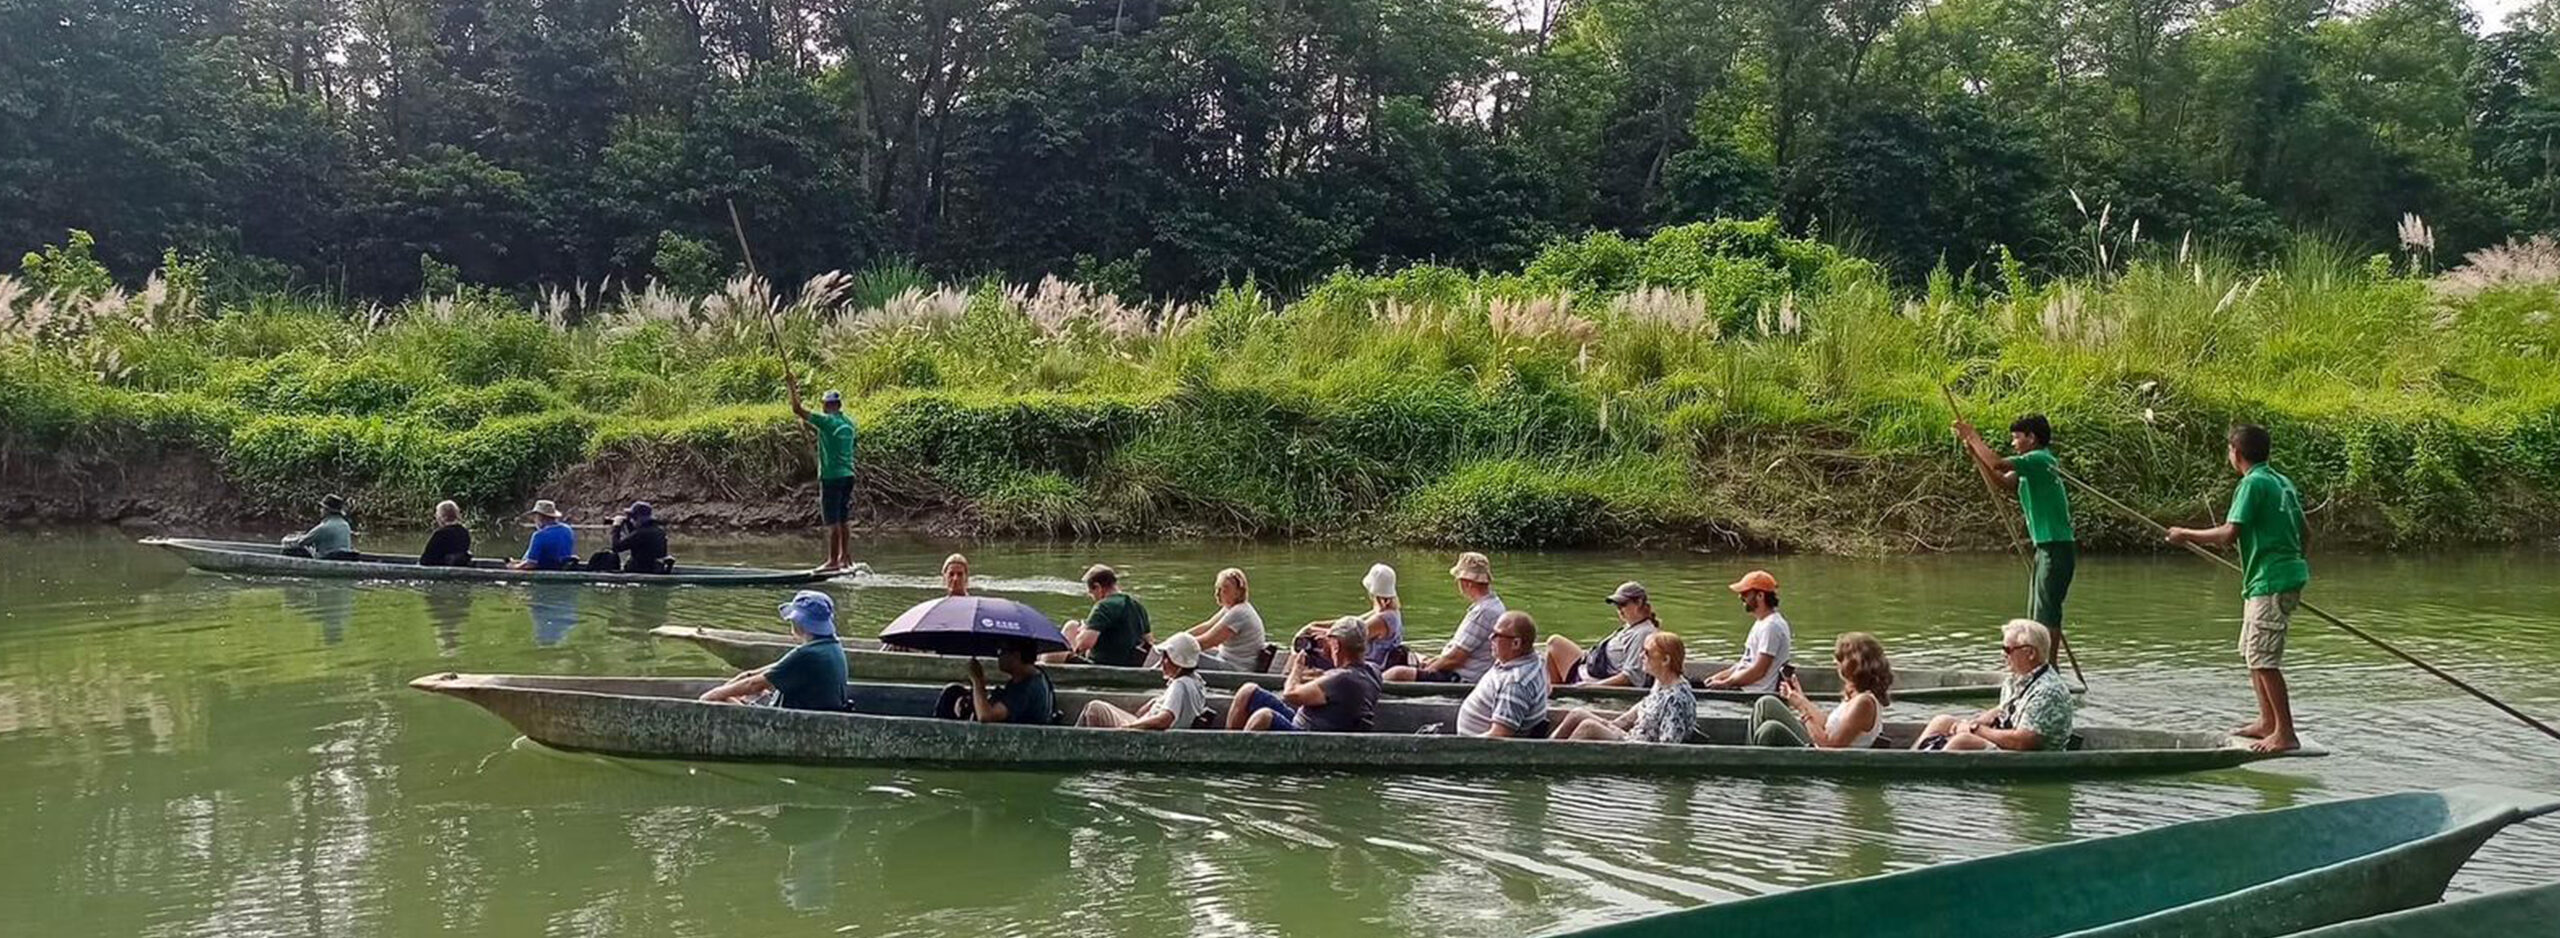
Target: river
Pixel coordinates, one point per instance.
(184, 754)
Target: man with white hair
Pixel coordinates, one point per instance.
(2035, 703)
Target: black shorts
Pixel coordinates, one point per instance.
(835, 499)
(1439, 677)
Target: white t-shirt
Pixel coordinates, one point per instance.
(1770, 636)
(1186, 697)
(1244, 646)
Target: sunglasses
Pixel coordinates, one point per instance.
(2005, 649)
(1514, 636)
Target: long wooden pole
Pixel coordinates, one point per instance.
(773, 307)
(2068, 654)
(2130, 512)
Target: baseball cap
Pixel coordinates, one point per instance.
(832, 397)
(1629, 592)
(1755, 580)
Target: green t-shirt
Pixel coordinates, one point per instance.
(2040, 496)
(835, 444)
(1122, 624)
(2269, 513)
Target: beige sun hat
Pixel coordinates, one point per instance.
(1473, 566)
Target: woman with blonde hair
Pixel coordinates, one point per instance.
(1667, 714)
(1866, 686)
(1231, 639)
(1385, 621)
(450, 545)
(955, 575)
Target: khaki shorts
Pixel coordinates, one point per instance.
(2264, 620)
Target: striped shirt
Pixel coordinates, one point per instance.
(1475, 634)
(1513, 693)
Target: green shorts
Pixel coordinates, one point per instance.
(2051, 582)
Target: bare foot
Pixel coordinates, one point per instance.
(2280, 742)
(2257, 730)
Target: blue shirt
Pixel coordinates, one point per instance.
(1027, 699)
(811, 677)
(552, 548)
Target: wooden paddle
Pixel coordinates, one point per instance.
(2017, 532)
(2200, 551)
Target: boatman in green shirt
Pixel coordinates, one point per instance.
(2266, 521)
(2037, 478)
(835, 471)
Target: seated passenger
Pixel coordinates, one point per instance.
(332, 539)
(1510, 701)
(1341, 700)
(450, 545)
(1466, 658)
(1115, 633)
(1616, 661)
(1385, 620)
(1184, 697)
(639, 543)
(810, 677)
(955, 575)
(554, 546)
(1769, 645)
(2035, 703)
(1232, 639)
(1866, 686)
(1024, 697)
(1667, 714)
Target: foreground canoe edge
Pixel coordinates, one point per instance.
(2531, 910)
(2258, 875)
(867, 660)
(250, 558)
(660, 718)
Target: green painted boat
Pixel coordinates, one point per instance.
(2257, 875)
(891, 724)
(2533, 910)
(866, 660)
(251, 558)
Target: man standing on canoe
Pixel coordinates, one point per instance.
(836, 433)
(1469, 653)
(2266, 521)
(2036, 477)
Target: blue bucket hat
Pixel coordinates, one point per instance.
(812, 612)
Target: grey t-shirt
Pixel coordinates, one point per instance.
(1185, 697)
(1243, 647)
(1623, 652)
(1350, 701)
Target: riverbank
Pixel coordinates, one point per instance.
(1716, 387)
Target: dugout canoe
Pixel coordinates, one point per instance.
(2532, 910)
(866, 660)
(660, 718)
(251, 558)
(2258, 875)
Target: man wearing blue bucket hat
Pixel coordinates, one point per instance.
(810, 677)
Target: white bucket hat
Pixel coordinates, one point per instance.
(1182, 649)
(1381, 580)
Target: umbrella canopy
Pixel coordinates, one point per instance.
(971, 625)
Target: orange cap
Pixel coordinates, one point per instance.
(1756, 580)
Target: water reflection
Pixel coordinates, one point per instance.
(809, 838)
(330, 604)
(555, 611)
(449, 605)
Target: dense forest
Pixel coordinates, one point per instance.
(367, 148)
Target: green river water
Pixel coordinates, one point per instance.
(184, 754)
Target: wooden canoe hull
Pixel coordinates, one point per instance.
(2257, 875)
(250, 558)
(865, 660)
(2533, 910)
(659, 718)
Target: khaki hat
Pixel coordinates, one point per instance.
(1182, 649)
(543, 507)
(1629, 592)
(1473, 566)
(1755, 580)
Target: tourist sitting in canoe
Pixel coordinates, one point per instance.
(1116, 631)
(1510, 701)
(1231, 639)
(2035, 703)
(1178, 708)
(810, 677)
(1336, 700)
(450, 545)
(1866, 686)
(1468, 655)
(1667, 714)
(1615, 661)
(332, 539)
(1385, 620)
(1024, 697)
(955, 575)
(639, 543)
(554, 546)
(1768, 646)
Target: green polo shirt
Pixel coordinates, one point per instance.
(2269, 512)
(835, 443)
(2040, 495)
